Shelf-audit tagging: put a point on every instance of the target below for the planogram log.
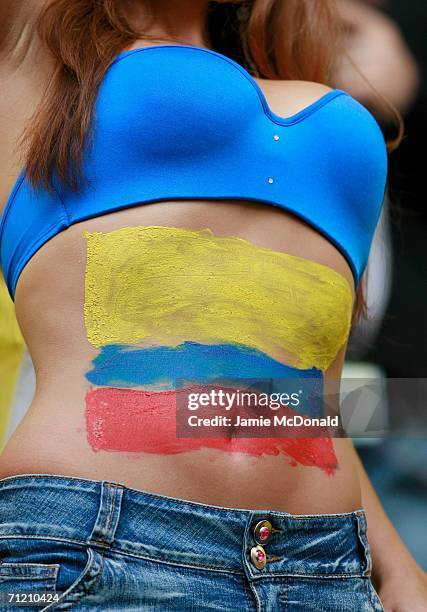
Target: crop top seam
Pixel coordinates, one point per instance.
(274, 117)
(30, 249)
(304, 113)
(16, 188)
(20, 180)
(67, 216)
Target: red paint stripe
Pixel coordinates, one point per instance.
(131, 420)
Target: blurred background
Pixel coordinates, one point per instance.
(387, 40)
(386, 47)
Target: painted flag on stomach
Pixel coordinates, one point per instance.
(170, 309)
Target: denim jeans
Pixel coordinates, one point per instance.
(98, 545)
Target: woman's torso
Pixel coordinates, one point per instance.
(50, 305)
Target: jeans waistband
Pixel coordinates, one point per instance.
(110, 515)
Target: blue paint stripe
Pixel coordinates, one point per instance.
(124, 366)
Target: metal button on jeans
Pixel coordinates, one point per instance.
(258, 557)
(262, 532)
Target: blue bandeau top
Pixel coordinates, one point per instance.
(178, 122)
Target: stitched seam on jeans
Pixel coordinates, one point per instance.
(47, 567)
(35, 576)
(53, 579)
(112, 509)
(86, 591)
(280, 575)
(107, 499)
(213, 568)
(368, 595)
(257, 599)
(286, 593)
(372, 594)
(101, 569)
(247, 592)
(39, 536)
(363, 539)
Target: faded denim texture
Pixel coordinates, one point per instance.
(107, 547)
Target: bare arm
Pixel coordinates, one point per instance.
(377, 48)
(16, 26)
(23, 70)
(400, 581)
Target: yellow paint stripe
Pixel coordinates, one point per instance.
(11, 353)
(166, 285)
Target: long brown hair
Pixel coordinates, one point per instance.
(274, 39)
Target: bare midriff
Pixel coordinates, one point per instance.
(54, 305)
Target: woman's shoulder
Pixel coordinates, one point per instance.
(20, 46)
(301, 88)
(287, 98)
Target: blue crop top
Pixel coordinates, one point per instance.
(181, 122)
